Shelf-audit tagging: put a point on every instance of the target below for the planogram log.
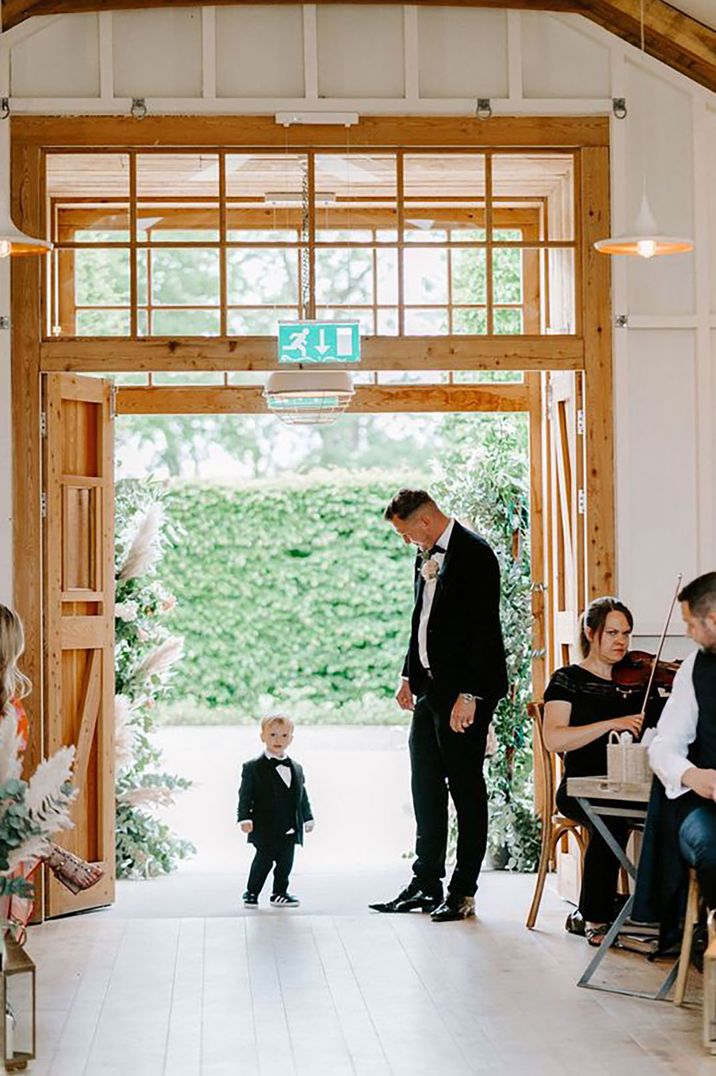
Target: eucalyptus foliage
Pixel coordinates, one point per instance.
(485, 482)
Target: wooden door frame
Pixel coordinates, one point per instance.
(591, 350)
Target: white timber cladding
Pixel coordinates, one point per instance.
(430, 61)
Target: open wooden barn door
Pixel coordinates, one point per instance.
(78, 504)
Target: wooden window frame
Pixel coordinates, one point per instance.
(590, 349)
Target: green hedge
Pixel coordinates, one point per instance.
(293, 590)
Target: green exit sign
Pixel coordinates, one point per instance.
(318, 341)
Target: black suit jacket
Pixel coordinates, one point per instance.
(465, 647)
(258, 800)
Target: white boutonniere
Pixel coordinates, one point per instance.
(430, 569)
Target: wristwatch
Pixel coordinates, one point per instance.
(467, 696)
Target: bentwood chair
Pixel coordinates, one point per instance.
(555, 826)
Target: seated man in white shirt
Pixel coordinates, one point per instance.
(683, 753)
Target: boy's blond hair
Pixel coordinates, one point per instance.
(276, 719)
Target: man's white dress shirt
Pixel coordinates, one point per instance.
(676, 731)
(428, 596)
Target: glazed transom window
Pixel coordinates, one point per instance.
(226, 244)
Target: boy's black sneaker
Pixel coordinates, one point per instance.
(284, 900)
(250, 900)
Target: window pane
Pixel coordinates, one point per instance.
(178, 175)
(507, 320)
(93, 225)
(262, 277)
(185, 323)
(468, 276)
(507, 275)
(419, 230)
(102, 323)
(188, 377)
(542, 181)
(426, 322)
(469, 321)
(182, 277)
(413, 377)
(87, 175)
(262, 322)
(262, 235)
(344, 276)
(335, 235)
(559, 269)
(347, 313)
(387, 283)
(425, 273)
(178, 224)
(101, 277)
(387, 322)
(473, 377)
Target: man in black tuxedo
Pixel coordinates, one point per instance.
(453, 677)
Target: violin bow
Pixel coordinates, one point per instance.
(657, 656)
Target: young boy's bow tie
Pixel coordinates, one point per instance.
(280, 762)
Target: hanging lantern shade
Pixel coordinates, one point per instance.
(308, 397)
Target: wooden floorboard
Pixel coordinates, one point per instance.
(269, 993)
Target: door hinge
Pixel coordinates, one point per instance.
(43, 424)
(43, 505)
(581, 502)
(580, 422)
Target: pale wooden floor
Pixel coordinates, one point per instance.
(263, 992)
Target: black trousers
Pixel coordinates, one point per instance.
(279, 855)
(442, 762)
(600, 873)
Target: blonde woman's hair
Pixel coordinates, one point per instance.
(276, 719)
(13, 683)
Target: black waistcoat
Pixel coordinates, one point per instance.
(703, 749)
(285, 805)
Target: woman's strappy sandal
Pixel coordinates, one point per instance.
(596, 933)
(73, 872)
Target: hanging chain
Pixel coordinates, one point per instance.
(305, 227)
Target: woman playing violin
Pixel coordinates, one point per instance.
(583, 704)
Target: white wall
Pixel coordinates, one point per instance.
(258, 59)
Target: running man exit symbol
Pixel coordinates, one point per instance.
(318, 341)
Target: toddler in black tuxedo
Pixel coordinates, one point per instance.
(274, 811)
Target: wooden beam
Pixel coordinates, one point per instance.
(236, 400)
(16, 11)
(262, 132)
(599, 382)
(672, 36)
(259, 353)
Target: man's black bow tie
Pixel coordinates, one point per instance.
(435, 549)
(280, 762)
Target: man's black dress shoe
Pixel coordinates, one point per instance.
(454, 907)
(410, 899)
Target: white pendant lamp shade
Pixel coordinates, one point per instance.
(13, 241)
(646, 241)
(308, 397)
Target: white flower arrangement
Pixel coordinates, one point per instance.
(126, 611)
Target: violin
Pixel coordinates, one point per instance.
(635, 670)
